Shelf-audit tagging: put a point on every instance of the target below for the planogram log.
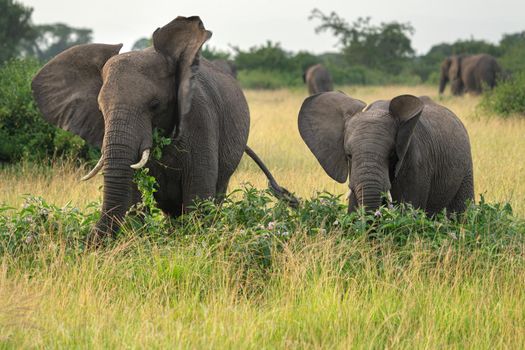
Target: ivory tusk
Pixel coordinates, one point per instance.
(143, 160)
(348, 194)
(389, 197)
(95, 170)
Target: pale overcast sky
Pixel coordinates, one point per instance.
(252, 22)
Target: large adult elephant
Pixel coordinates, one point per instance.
(318, 79)
(469, 73)
(411, 147)
(114, 101)
(226, 66)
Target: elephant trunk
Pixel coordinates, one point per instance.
(126, 137)
(367, 183)
(368, 195)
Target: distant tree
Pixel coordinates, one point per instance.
(473, 46)
(510, 40)
(51, 39)
(385, 47)
(15, 27)
(302, 60)
(269, 56)
(141, 44)
(513, 52)
(212, 53)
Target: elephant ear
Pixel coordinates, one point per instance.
(407, 110)
(66, 90)
(322, 127)
(181, 41)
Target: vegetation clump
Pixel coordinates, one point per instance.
(24, 134)
(507, 98)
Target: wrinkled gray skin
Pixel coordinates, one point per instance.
(469, 73)
(114, 101)
(226, 66)
(410, 146)
(318, 79)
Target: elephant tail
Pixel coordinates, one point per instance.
(279, 192)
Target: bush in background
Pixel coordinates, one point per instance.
(507, 98)
(24, 134)
(264, 79)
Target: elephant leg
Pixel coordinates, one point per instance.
(414, 189)
(222, 187)
(201, 183)
(465, 192)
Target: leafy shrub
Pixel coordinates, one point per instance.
(251, 218)
(263, 79)
(23, 131)
(507, 97)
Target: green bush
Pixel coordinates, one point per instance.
(266, 79)
(23, 131)
(257, 218)
(507, 98)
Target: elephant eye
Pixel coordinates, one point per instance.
(154, 104)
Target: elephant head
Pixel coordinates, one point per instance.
(114, 101)
(368, 145)
(451, 71)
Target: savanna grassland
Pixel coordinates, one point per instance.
(331, 289)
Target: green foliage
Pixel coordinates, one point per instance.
(159, 142)
(269, 56)
(264, 223)
(20, 229)
(513, 48)
(146, 215)
(270, 67)
(507, 98)
(141, 44)
(15, 28)
(23, 131)
(360, 75)
(386, 47)
(263, 79)
(212, 53)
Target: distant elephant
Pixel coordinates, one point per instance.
(318, 79)
(409, 148)
(226, 66)
(469, 73)
(114, 101)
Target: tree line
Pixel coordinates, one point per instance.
(366, 52)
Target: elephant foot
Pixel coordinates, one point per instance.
(104, 230)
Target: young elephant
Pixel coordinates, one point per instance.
(114, 101)
(318, 79)
(411, 147)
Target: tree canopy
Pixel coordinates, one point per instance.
(51, 39)
(15, 28)
(386, 46)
